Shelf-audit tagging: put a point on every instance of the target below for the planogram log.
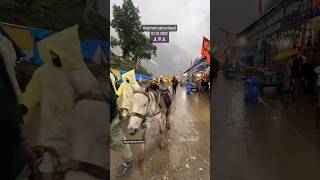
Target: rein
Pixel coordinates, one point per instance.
(147, 115)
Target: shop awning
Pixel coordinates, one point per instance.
(285, 54)
(199, 66)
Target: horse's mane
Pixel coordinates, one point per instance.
(152, 87)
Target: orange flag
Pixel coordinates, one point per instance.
(205, 51)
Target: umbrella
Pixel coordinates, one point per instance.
(285, 54)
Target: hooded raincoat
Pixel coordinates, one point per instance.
(126, 90)
(51, 95)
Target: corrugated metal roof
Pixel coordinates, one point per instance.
(255, 21)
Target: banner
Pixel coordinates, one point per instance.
(205, 51)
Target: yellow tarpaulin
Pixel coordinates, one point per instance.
(21, 36)
(199, 78)
(116, 72)
(285, 54)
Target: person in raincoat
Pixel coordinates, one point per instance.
(9, 57)
(51, 95)
(125, 92)
(163, 85)
(116, 134)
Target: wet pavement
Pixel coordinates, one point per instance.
(265, 141)
(187, 152)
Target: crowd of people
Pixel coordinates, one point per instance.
(300, 76)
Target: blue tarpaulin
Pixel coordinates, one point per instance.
(89, 48)
(38, 35)
(122, 71)
(139, 76)
(143, 77)
(105, 47)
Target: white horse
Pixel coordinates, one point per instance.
(147, 106)
(88, 135)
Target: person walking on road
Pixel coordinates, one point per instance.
(174, 85)
(297, 74)
(117, 135)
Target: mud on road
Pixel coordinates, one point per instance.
(187, 150)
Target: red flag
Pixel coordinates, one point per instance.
(205, 51)
(317, 4)
(260, 4)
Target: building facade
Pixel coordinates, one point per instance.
(288, 24)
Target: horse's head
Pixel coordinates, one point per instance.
(140, 103)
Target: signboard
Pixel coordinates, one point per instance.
(159, 33)
(159, 28)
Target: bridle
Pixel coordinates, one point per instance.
(147, 115)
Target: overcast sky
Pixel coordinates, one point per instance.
(233, 15)
(191, 16)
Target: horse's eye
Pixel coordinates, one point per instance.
(145, 105)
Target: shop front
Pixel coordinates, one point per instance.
(197, 75)
(288, 28)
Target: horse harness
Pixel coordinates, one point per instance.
(147, 115)
(37, 154)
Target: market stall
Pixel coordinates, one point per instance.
(197, 74)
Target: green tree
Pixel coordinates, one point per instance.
(134, 44)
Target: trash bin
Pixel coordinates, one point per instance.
(252, 89)
(189, 89)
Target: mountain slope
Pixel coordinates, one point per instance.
(169, 61)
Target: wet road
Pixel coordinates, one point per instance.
(261, 141)
(186, 156)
